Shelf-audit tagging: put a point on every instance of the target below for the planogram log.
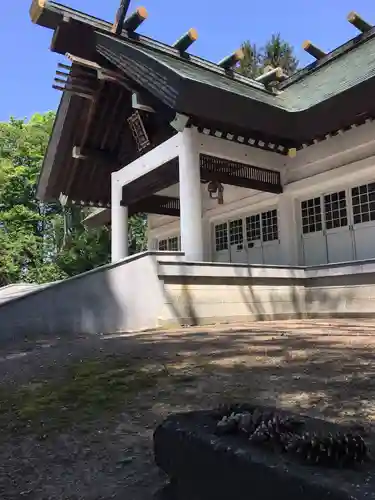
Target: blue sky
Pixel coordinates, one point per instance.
(28, 67)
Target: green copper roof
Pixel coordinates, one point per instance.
(336, 76)
(341, 69)
(188, 69)
(329, 79)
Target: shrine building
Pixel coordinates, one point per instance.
(229, 169)
(238, 177)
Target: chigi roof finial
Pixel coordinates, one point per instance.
(357, 21)
(120, 17)
(183, 43)
(229, 62)
(313, 50)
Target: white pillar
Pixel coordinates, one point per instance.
(190, 197)
(288, 230)
(207, 250)
(119, 223)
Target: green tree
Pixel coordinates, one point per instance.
(22, 217)
(275, 53)
(250, 65)
(137, 233)
(41, 242)
(279, 53)
(79, 249)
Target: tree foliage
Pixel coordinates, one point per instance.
(275, 53)
(42, 242)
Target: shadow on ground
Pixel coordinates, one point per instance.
(324, 368)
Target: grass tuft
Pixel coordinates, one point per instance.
(89, 390)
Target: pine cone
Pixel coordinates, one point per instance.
(335, 451)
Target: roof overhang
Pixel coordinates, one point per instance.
(328, 96)
(155, 204)
(98, 217)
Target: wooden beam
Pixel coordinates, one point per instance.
(74, 37)
(64, 66)
(120, 17)
(158, 205)
(313, 50)
(77, 74)
(103, 74)
(91, 110)
(114, 77)
(273, 75)
(153, 182)
(230, 61)
(81, 61)
(36, 10)
(81, 83)
(186, 40)
(138, 103)
(94, 156)
(75, 91)
(62, 73)
(133, 22)
(359, 23)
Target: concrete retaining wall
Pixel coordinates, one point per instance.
(113, 298)
(156, 289)
(209, 293)
(201, 293)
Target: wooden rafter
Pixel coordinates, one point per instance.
(96, 156)
(103, 74)
(158, 205)
(90, 115)
(77, 81)
(101, 155)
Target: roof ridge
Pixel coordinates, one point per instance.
(148, 42)
(156, 46)
(151, 43)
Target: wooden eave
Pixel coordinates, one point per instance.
(98, 125)
(155, 204)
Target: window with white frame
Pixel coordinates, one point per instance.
(270, 230)
(173, 244)
(311, 215)
(335, 210)
(221, 237)
(363, 203)
(253, 231)
(236, 232)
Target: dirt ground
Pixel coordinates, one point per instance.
(77, 415)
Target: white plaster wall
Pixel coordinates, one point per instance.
(346, 148)
(339, 162)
